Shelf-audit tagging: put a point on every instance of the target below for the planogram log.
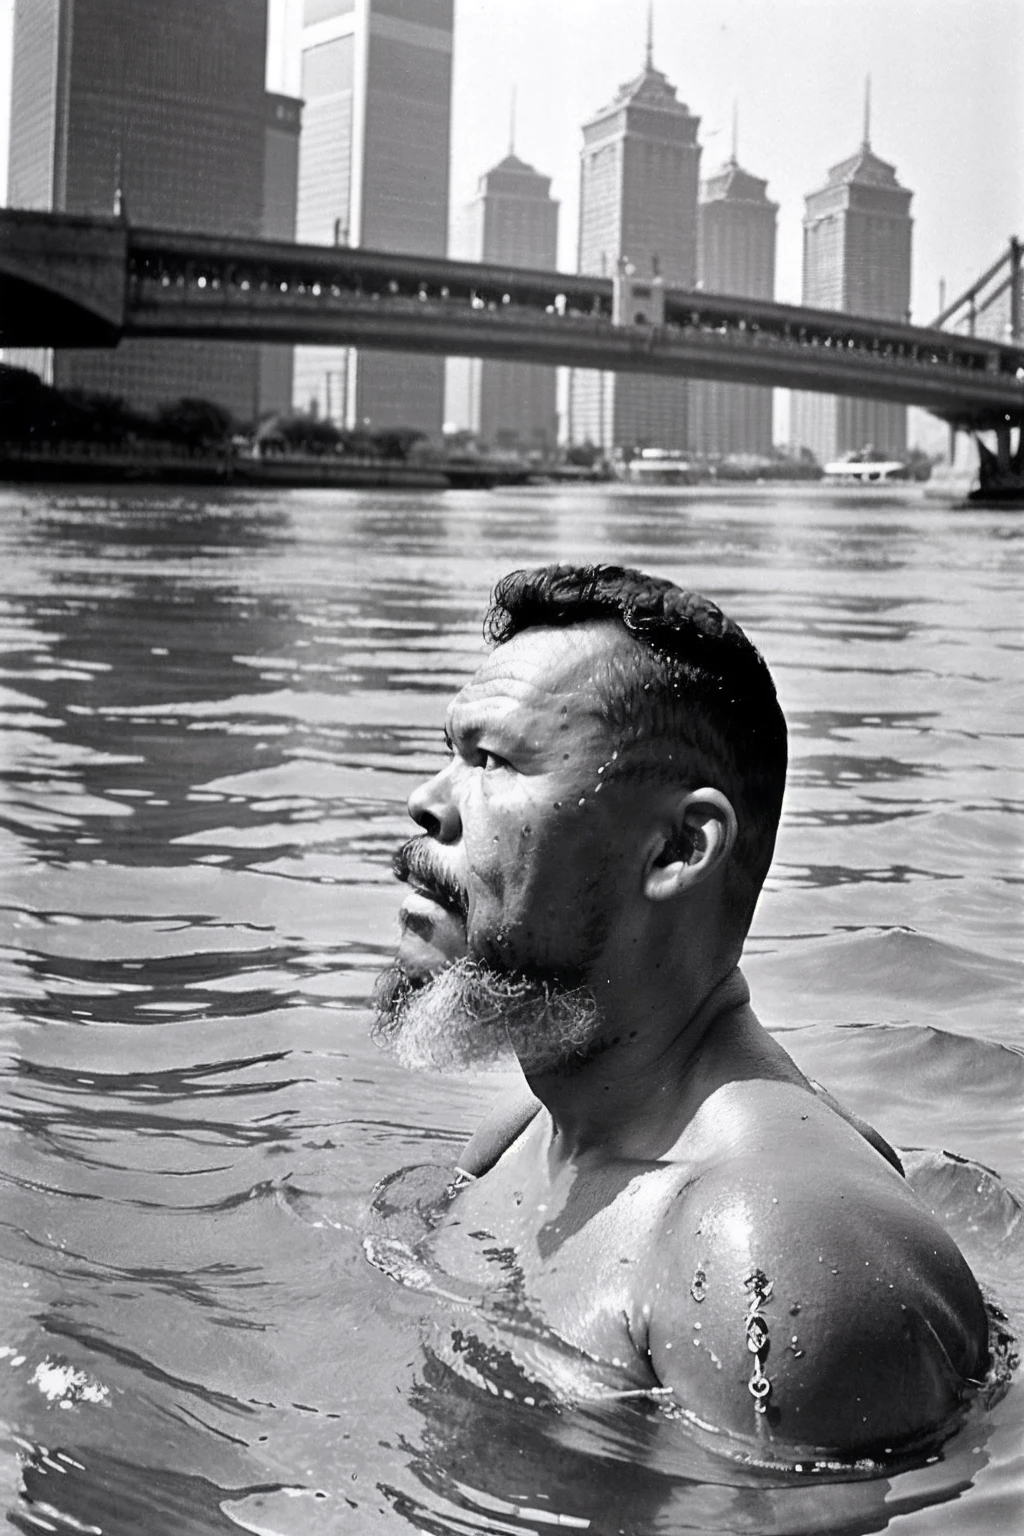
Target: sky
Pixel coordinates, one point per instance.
(947, 92)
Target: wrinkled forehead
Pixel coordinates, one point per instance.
(557, 675)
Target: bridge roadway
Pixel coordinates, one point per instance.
(67, 280)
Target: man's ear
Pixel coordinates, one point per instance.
(691, 844)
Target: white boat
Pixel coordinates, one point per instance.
(865, 472)
(660, 466)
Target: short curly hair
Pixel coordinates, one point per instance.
(694, 702)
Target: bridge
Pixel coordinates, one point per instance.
(75, 281)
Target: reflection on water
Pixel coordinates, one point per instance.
(214, 706)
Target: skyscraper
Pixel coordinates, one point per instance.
(513, 219)
(857, 236)
(735, 254)
(373, 171)
(162, 103)
(283, 124)
(639, 172)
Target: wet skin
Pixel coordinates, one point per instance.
(685, 1177)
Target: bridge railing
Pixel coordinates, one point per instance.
(326, 278)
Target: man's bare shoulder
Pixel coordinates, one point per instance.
(797, 1274)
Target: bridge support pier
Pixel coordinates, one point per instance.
(1004, 450)
(1001, 471)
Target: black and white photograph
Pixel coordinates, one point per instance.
(511, 774)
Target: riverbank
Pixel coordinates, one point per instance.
(86, 462)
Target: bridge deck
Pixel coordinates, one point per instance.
(152, 282)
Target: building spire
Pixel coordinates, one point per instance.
(649, 52)
(512, 123)
(866, 142)
(735, 132)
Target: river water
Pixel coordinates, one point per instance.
(214, 707)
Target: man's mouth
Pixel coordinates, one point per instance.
(433, 915)
(413, 864)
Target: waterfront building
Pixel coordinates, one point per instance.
(513, 219)
(639, 174)
(857, 242)
(373, 171)
(155, 107)
(735, 254)
(282, 126)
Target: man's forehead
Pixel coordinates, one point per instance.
(544, 666)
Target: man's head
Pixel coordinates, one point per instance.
(614, 788)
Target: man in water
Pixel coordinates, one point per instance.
(680, 1204)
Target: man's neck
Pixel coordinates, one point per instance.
(633, 1098)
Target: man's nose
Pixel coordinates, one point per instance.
(431, 807)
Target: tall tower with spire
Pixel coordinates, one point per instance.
(857, 244)
(639, 174)
(512, 219)
(735, 254)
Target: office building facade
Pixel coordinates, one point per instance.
(513, 219)
(282, 127)
(156, 105)
(857, 247)
(735, 254)
(639, 176)
(373, 171)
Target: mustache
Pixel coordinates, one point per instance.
(413, 864)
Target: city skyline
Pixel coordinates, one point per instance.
(947, 83)
(947, 86)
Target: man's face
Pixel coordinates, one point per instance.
(525, 855)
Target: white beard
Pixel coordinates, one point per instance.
(469, 1017)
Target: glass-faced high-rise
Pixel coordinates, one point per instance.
(639, 174)
(162, 101)
(373, 171)
(735, 254)
(857, 241)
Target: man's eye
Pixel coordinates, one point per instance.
(489, 761)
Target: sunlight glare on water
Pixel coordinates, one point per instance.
(214, 707)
